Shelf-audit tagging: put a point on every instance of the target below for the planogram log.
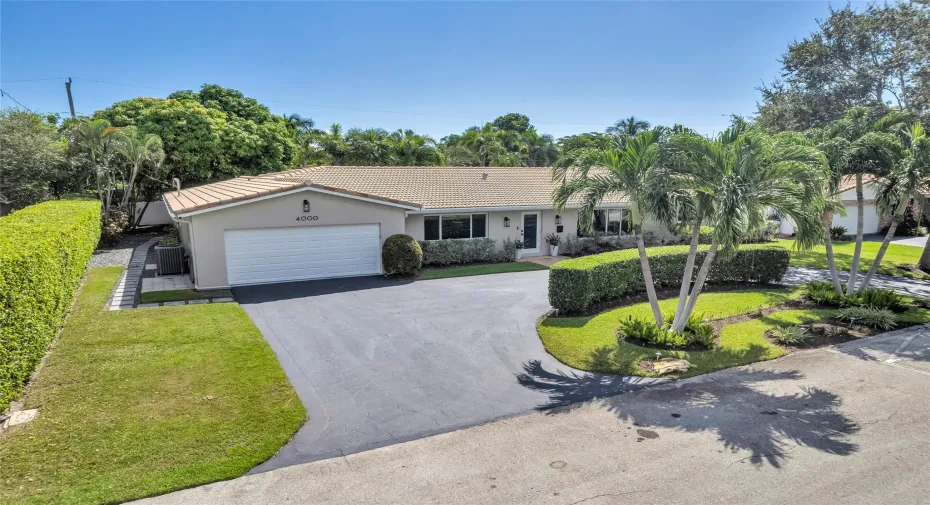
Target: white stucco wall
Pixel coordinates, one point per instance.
(208, 243)
(155, 214)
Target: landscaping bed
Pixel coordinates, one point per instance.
(742, 319)
(135, 403)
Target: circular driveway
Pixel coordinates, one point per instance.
(378, 362)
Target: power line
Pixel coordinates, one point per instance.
(35, 80)
(4, 93)
(114, 83)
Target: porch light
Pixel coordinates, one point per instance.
(558, 219)
(306, 205)
(506, 222)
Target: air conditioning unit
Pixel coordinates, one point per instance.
(169, 259)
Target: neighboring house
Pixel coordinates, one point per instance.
(846, 192)
(322, 222)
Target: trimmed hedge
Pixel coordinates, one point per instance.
(44, 250)
(401, 255)
(464, 251)
(577, 284)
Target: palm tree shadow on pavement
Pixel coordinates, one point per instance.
(746, 409)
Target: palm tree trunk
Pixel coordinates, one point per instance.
(127, 190)
(895, 219)
(647, 278)
(924, 262)
(857, 252)
(828, 244)
(698, 284)
(688, 273)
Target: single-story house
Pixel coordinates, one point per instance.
(846, 192)
(330, 221)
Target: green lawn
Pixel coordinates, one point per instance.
(493, 268)
(843, 252)
(590, 343)
(176, 295)
(146, 401)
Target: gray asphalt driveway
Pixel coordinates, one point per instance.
(378, 362)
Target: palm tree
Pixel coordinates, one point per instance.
(93, 137)
(634, 171)
(630, 126)
(908, 179)
(369, 147)
(296, 122)
(736, 179)
(856, 145)
(411, 149)
(487, 143)
(138, 149)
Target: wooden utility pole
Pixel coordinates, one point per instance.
(70, 100)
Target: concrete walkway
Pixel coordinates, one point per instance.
(913, 287)
(843, 425)
(127, 288)
(911, 241)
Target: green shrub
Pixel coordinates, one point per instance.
(577, 284)
(44, 250)
(839, 233)
(464, 251)
(651, 333)
(790, 335)
(824, 293)
(882, 299)
(401, 255)
(171, 238)
(114, 227)
(870, 317)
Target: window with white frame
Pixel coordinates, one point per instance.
(452, 226)
(609, 222)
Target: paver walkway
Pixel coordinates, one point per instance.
(844, 425)
(914, 287)
(127, 288)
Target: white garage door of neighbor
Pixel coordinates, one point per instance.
(292, 254)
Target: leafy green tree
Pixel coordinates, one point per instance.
(513, 122)
(32, 158)
(93, 140)
(875, 57)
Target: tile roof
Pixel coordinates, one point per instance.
(422, 187)
(849, 182)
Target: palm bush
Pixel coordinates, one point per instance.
(882, 299)
(839, 233)
(791, 335)
(870, 317)
(651, 333)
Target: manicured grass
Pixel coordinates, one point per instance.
(590, 343)
(843, 252)
(493, 268)
(176, 295)
(146, 401)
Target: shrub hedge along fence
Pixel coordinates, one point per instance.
(43, 252)
(577, 284)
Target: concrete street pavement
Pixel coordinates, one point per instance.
(913, 287)
(844, 425)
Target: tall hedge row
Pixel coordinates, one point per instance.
(43, 252)
(577, 284)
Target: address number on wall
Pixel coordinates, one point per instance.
(308, 218)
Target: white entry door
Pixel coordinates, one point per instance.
(263, 256)
(530, 232)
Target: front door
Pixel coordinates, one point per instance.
(530, 232)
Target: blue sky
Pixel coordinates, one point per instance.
(571, 67)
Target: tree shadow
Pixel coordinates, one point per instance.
(746, 409)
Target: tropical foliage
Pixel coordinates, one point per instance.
(32, 159)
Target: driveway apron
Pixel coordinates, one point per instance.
(378, 362)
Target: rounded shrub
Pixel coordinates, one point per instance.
(401, 255)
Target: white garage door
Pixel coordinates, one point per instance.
(290, 254)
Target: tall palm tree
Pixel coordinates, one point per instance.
(737, 178)
(139, 149)
(857, 145)
(908, 180)
(634, 171)
(296, 122)
(487, 143)
(369, 147)
(411, 149)
(94, 138)
(630, 126)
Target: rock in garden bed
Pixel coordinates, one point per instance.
(665, 366)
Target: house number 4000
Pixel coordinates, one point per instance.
(308, 218)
